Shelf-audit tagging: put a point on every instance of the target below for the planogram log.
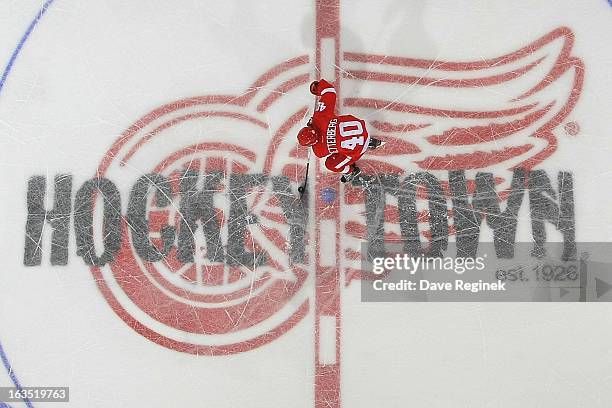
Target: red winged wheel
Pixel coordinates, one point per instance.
(484, 115)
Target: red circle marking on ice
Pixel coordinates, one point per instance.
(142, 285)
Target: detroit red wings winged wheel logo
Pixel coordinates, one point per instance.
(436, 116)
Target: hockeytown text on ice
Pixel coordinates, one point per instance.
(549, 200)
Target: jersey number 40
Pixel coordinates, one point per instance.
(348, 129)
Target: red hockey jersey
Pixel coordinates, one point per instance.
(342, 139)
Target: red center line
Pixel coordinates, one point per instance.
(327, 227)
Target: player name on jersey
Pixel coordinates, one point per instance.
(331, 136)
(197, 212)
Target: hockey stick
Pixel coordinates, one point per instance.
(302, 188)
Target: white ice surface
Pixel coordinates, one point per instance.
(91, 69)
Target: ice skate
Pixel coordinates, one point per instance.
(355, 172)
(375, 143)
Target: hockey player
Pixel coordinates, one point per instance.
(342, 140)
